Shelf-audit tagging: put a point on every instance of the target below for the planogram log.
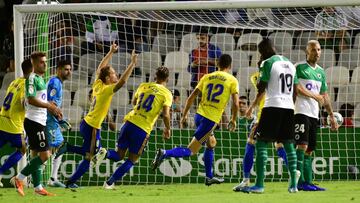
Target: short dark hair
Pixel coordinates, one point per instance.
(62, 63)
(26, 66)
(224, 61)
(104, 72)
(37, 54)
(176, 93)
(204, 31)
(162, 73)
(243, 97)
(346, 110)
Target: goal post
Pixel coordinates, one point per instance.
(165, 33)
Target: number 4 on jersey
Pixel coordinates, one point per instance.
(147, 104)
(7, 101)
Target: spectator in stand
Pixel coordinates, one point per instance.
(243, 123)
(353, 17)
(62, 41)
(203, 59)
(330, 26)
(100, 34)
(347, 112)
(175, 111)
(8, 49)
(133, 35)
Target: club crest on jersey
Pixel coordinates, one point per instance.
(53, 92)
(319, 76)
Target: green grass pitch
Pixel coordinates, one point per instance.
(274, 192)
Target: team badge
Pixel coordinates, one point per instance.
(319, 76)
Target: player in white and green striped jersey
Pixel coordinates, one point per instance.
(312, 77)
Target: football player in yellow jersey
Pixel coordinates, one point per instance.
(216, 89)
(105, 86)
(12, 117)
(149, 101)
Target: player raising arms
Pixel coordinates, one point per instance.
(52, 130)
(37, 107)
(104, 87)
(12, 117)
(149, 100)
(216, 89)
(312, 77)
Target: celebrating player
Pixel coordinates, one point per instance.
(104, 87)
(12, 117)
(52, 130)
(312, 77)
(34, 124)
(215, 89)
(149, 100)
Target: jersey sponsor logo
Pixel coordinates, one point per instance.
(53, 92)
(175, 168)
(311, 86)
(43, 96)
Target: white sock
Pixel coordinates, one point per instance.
(21, 177)
(55, 167)
(20, 165)
(39, 187)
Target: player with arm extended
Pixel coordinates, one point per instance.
(53, 125)
(149, 101)
(311, 77)
(278, 81)
(216, 89)
(12, 115)
(104, 87)
(37, 107)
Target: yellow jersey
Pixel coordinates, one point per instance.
(12, 113)
(216, 89)
(254, 80)
(101, 101)
(150, 100)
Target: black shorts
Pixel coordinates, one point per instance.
(276, 125)
(36, 136)
(305, 131)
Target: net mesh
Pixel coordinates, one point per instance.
(168, 38)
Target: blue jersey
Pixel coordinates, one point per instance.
(54, 94)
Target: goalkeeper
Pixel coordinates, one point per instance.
(53, 125)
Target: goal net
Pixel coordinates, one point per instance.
(168, 34)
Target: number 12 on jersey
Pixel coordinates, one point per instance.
(214, 91)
